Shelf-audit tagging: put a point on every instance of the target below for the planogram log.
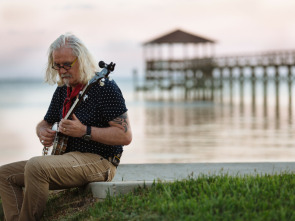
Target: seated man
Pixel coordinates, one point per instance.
(95, 133)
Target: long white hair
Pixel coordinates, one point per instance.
(87, 65)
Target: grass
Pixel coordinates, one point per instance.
(260, 197)
(71, 204)
(207, 198)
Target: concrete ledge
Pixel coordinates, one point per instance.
(100, 190)
(130, 176)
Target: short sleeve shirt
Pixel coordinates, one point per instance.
(103, 104)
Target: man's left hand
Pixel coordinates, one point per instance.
(73, 128)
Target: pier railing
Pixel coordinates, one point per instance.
(278, 64)
(208, 75)
(271, 58)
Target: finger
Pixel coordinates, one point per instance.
(50, 131)
(75, 117)
(65, 123)
(62, 125)
(46, 140)
(48, 144)
(63, 130)
(47, 135)
(47, 132)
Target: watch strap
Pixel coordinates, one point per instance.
(87, 136)
(88, 130)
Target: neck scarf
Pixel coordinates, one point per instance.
(71, 95)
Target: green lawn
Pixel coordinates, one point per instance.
(261, 197)
(207, 198)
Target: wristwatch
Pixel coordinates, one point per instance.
(87, 136)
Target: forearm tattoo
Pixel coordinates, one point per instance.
(122, 120)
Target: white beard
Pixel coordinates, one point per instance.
(66, 82)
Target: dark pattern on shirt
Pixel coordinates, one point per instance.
(102, 105)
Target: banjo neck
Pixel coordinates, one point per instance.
(98, 77)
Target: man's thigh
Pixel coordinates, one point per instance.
(73, 169)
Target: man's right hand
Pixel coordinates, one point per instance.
(45, 133)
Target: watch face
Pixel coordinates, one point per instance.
(87, 137)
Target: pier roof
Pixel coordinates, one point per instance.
(179, 36)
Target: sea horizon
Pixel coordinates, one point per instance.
(165, 130)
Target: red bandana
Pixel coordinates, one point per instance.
(70, 98)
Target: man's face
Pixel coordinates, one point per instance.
(63, 56)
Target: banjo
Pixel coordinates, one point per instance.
(60, 141)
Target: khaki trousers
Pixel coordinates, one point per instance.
(41, 174)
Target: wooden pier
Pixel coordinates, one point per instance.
(182, 61)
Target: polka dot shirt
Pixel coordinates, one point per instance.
(103, 104)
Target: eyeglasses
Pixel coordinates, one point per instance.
(66, 66)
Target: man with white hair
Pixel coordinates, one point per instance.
(96, 133)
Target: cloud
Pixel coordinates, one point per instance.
(16, 15)
(75, 6)
(115, 30)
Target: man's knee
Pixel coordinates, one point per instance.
(12, 173)
(9, 170)
(3, 173)
(35, 167)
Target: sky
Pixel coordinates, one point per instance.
(115, 30)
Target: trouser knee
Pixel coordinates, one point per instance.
(3, 174)
(34, 168)
(6, 173)
(12, 173)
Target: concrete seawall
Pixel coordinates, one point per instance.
(130, 176)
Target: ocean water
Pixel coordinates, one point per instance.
(167, 129)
